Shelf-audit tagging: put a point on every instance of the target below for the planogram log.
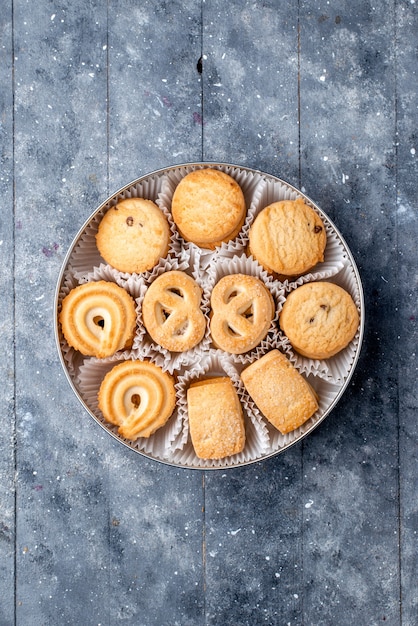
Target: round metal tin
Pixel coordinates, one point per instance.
(177, 460)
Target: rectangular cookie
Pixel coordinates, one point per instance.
(215, 418)
(283, 396)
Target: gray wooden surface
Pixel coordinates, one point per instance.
(94, 95)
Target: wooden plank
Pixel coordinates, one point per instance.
(7, 442)
(250, 117)
(60, 173)
(347, 108)
(406, 301)
(254, 543)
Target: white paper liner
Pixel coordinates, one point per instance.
(86, 255)
(336, 368)
(90, 378)
(334, 254)
(133, 283)
(223, 266)
(172, 361)
(256, 442)
(325, 390)
(135, 286)
(251, 183)
(171, 444)
(193, 254)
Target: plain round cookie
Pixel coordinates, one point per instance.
(133, 235)
(319, 319)
(287, 237)
(208, 207)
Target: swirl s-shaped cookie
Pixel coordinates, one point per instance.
(137, 396)
(242, 311)
(171, 311)
(98, 318)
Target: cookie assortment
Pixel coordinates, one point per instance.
(213, 372)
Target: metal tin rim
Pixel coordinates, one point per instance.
(285, 447)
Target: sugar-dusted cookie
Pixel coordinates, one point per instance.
(98, 318)
(287, 237)
(137, 396)
(171, 311)
(208, 207)
(242, 311)
(281, 393)
(319, 319)
(215, 418)
(133, 235)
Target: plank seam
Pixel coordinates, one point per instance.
(14, 431)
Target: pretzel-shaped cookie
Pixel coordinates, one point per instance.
(138, 397)
(171, 311)
(98, 318)
(243, 309)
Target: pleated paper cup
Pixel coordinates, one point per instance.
(251, 183)
(226, 265)
(85, 255)
(91, 375)
(337, 368)
(187, 262)
(215, 364)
